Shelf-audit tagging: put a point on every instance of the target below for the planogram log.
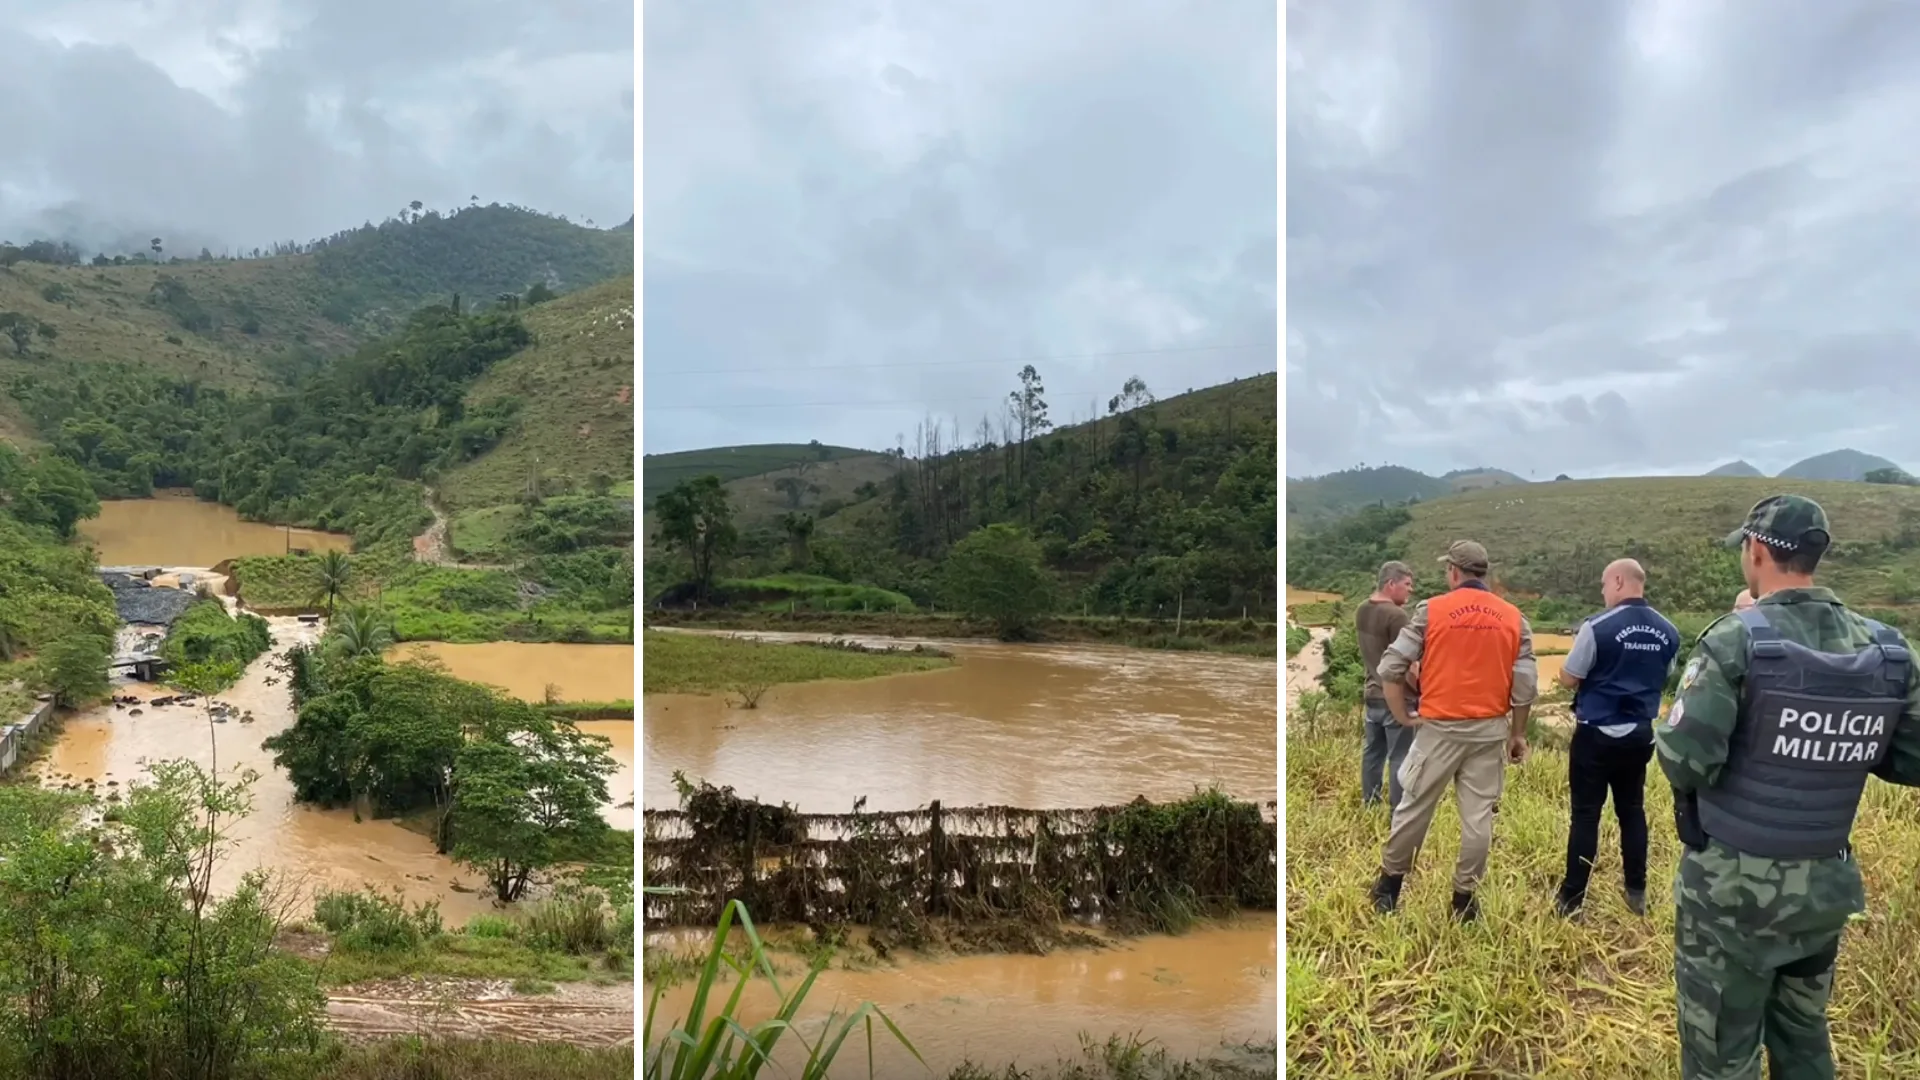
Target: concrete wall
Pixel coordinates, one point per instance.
(15, 736)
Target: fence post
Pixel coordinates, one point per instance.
(936, 861)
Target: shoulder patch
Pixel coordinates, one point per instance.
(1692, 673)
(1674, 714)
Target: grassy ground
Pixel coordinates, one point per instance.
(476, 953)
(1130, 1059)
(429, 603)
(456, 1059)
(661, 471)
(575, 384)
(1247, 638)
(811, 592)
(482, 535)
(757, 501)
(1525, 993)
(697, 664)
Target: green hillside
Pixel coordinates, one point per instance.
(1549, 542)
(575, 386)
(1316, 500)
(1163, 507)
(245, 323)
(659, 472)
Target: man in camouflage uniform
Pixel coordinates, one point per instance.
(1783, 711)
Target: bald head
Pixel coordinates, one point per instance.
(1623, 579)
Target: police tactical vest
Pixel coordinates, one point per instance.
(1812, 726)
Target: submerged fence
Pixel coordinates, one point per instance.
(1106, 863)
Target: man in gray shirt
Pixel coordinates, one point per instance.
(1378, 622)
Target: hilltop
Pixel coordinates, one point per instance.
(661, 471)
(1736, 468)
(274, 316)
(1162, 505)
(1837, 465)
(1315, 500)
(1550, 541)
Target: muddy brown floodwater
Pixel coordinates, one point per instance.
(1017, 725)
(175, 529)
(1189, 994)
(526, 669)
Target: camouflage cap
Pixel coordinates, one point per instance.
(1466, 555)
(1786, 522)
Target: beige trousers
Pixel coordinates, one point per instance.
(1470, 754)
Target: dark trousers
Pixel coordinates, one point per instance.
(1385, 748)
(1599, 764)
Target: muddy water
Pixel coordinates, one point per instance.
(1550, 665)
(620, 790)
(1029, 726)
(176, 529)
(1189, 994)
(310, 848)
(1308, 596)
(526, 669)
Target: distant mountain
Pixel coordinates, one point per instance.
(1836, 465)
(1736, 468)
(1315, 499)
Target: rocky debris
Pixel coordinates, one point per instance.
(140, 601)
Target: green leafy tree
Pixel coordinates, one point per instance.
(524, 804)
(997, 573)
(74, 667)
(696, 517)
(360, 630)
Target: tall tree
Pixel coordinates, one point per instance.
(697, 518)
(335, 570)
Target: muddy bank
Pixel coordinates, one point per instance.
(1041, 726)
(583, 1014)
(1250, 635)
(1189, 994)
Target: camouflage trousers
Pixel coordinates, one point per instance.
(1738, 993)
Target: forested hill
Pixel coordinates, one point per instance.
(1160, 503)
(267, 317)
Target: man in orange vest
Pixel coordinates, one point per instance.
(1477, 684)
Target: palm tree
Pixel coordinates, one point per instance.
(361, 631)
(335, 569)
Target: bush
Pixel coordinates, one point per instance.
(367, 922)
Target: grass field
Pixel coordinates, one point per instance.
(701, 664)
(658, 472)
(811, 592)
(575, 385)
(757, 501)
(1523, 992)
(483, 534)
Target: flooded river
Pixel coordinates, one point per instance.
(1019, 725)
(526, 669)
(1189, 994)
(176, 529)
(310, 847)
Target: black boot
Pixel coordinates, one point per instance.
(1386, 893)
(1637, 901)
(1465, 907)
(1567, 906)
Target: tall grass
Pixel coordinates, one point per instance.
(1524, 992)
(716, 1046)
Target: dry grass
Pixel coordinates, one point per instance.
(576, 386)
(758, 502)
(1524, 993)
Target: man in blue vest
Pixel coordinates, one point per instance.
(1617, 668)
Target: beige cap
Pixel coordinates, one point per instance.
(1466, 555)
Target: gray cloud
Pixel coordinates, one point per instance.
(241, 122)
(945, 190)
(1605, 238)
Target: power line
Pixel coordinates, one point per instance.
(962, 363)
(1054, 395)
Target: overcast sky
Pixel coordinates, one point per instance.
(240, 122)
(945, 189)
(1600, 237)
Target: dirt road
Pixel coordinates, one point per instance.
(578, 1013)
(432, 546)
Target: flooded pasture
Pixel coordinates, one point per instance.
(1037, 726)
(177, 529)
(527, 669)
(1188, 994)
(1308, 596)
